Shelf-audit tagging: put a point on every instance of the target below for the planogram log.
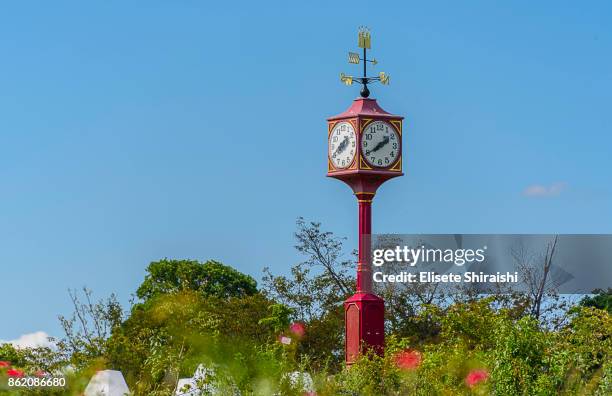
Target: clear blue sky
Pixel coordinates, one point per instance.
(133, 131)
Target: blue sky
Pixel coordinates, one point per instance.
(133, 131)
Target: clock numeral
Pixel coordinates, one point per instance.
(386, 160)
(393, 136)
(394, 146)
(379, 162)
(368, 136)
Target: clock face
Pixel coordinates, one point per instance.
(380, 144)
(342, 145)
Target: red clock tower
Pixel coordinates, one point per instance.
(365, 150)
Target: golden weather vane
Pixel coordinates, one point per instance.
(364, 41)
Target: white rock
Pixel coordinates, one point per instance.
(107, 383)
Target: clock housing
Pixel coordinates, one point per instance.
(379, 146)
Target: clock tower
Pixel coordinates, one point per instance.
(364, 151)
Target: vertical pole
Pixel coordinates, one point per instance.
(365, 62)
(364, 312)
(365, 92)
(364, 264)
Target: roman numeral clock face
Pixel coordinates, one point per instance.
(380, 144)
(342, 145)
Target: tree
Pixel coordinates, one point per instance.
(315, 291)
(90, 325)
(321, 282)
(602, 299)
(435, 343)
(168, 336)
(324, 250)
(209, 279)
(31, 359)
(536, 274)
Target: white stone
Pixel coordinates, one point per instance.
(107, 383)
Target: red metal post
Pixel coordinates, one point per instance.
(364, 267)
(364, 311)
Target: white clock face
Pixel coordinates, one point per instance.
(380, 144)
(342, 145)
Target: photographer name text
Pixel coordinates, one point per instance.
(459, 257)
(432, 277)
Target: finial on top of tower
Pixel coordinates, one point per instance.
(364, 37)
(364, 41)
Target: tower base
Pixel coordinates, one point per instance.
(364, 315)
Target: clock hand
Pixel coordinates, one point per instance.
(342, 146)
(379, 145)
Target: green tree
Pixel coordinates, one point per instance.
(31, 359)
(315, 290)
(168, 336)
(191, 313)
(209, 279)
(88, 328)
(209, 313)
(601, 300)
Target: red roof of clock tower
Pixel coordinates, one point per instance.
(364, 107)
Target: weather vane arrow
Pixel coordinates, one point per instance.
(364, 41)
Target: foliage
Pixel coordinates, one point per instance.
(31, 360)
(165, 338)
(601, 300)
(39, 362)
(482, 351)
(209, 279)
(258, 342)
(279, 319)
(87, 330)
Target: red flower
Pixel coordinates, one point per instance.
(408, 359)
(298, 329)
(4, 364)
(475, 377)
(15, 373)
(40, 373)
